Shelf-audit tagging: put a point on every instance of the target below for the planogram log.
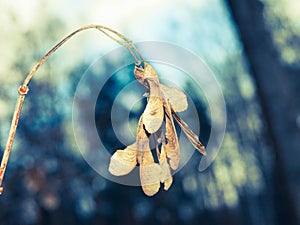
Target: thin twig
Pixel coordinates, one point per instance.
(14, 123)
(92, 26)
(23, 90)
(122, 37)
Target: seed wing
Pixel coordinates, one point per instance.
(175, 97)
(172, 146)
(149, 171)
(154, 113)
(123, 162)
(149, 174)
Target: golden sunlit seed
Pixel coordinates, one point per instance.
(123, 162)
(154, 111)
(172, 145)
(162, 104)
(175, 97)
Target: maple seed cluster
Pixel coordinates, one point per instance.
(163, 103)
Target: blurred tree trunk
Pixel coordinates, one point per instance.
(278, 88)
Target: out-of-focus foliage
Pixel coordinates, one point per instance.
(283, 19)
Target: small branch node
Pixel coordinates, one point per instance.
(23, 90)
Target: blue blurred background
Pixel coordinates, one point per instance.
(251, 46)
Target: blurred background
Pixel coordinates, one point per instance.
(251, 46)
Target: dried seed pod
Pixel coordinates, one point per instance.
(175, 97)
(123, 162)
(149, 171)
(154, 113)
(172, 145)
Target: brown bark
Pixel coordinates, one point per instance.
(277, 88)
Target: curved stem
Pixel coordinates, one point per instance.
(122, 37)
(23, 90)
(12, 132)
(127, 44)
